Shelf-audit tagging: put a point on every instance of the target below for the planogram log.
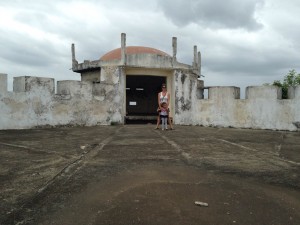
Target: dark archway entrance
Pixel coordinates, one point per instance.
(141, 97)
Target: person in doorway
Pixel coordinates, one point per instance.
(164, 115)
(163, 96)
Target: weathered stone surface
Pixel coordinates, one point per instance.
(31, 84)
(263, 92)
(100, 96)
(134, 174)
(262, 109)
(3, 83)
(33, 103)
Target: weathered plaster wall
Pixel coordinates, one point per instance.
(34, 103)
(185, 85)
(3, 83)
(263, 108)
(149, 60)
(92, 76)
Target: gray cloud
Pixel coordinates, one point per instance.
(24, 50)
(241, 61)
(32, 5)
(230, 14)
(236, 48)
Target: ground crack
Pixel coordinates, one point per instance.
(66, 173)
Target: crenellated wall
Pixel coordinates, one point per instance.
(263, 108)
(34, 102)
(100, 96)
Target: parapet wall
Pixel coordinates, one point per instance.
(33, 102)
(263, 108)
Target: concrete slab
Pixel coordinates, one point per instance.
(134, 174)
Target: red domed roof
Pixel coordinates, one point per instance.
(116, 53)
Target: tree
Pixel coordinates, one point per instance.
(290, 80)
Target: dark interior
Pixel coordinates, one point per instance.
(141, 96)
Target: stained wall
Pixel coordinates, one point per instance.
(34, 103)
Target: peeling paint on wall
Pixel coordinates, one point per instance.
(76, 103)
(263, 109)
(185, 96)
(34, 103)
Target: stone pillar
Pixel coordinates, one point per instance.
(123, 49)
(294, 92)
(199, 63)
(27, 84)
(297, 92)
(3, 83)
(291, 92)
(225, 92)
(200, 89)
(74, 88)
(174, 45)
(195, 58)
(270, 92)
(74, 61)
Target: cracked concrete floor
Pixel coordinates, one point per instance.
(134, 174)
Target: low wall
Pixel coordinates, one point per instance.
(263, 108)
(34, 103)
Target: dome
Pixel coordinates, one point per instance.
(116, 53)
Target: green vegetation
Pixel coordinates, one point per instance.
(290, 80)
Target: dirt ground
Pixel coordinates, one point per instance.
(134, 174)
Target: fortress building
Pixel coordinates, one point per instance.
(122, 86)
(138, 72)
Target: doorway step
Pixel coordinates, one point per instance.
(140, 119)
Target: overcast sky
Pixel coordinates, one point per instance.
(242, 42)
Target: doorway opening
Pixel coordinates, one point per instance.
(141, 98)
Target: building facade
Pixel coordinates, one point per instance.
(137, 73)
(123, 85)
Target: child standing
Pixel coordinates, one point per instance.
(164, 115)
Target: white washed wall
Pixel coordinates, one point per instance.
(263, 108)
(34, 103)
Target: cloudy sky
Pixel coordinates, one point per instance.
(242, 42)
